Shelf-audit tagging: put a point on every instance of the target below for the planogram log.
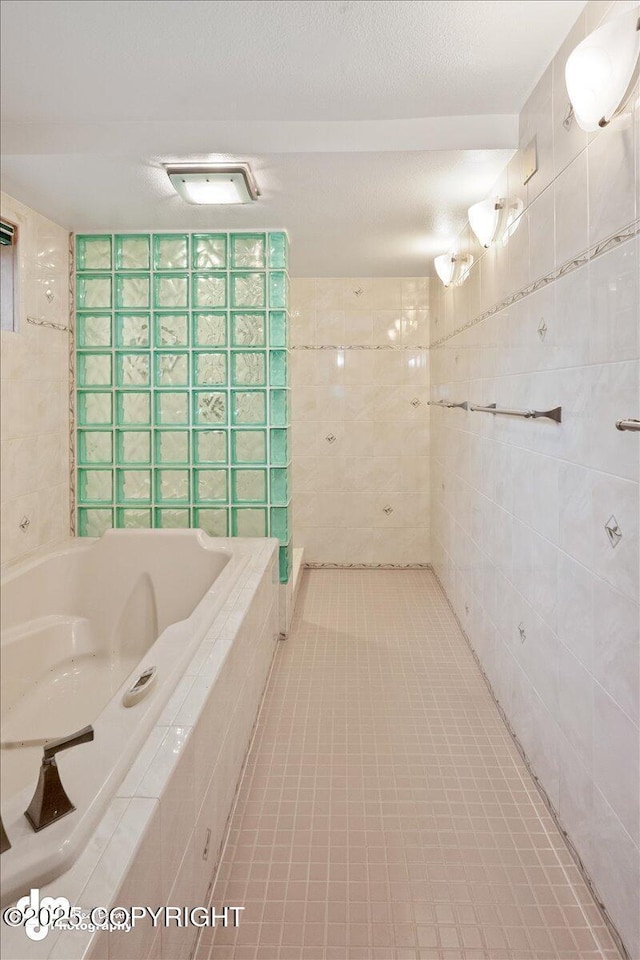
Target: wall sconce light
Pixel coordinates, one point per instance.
(601, 72)
(453, 270)
(213, 182)
(493, 219)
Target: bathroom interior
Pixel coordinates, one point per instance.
(320, 480)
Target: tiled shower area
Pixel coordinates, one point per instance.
(405, 717)
(384, 812)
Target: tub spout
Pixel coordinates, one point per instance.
(5, 843)
(50, 801)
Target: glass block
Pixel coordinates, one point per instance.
(94, 329)
(133, 446)
(209, 289)
(248, 368)
(279, 408)
(210, 486)
(93, 253)
(172, 446)
(278, 246)
(249, 446)
(171, 251)
(171, 290)
(172, 406)
(277, 328)
(133, 519)
(279, 523)
(171, 518)
(249, 522)
(172, 369)
(94, 369)
(132, 369)
(209, 406)
(278, 368)
(279, 453)
(249, 486)
(94, 408)
(210, 368)
(248, 251)
(213, 522)
(133, 408)
(93, 292)
(210, 446)
(133, 485)
(278, 290)
(248, 290)
(209, 329)
(132, 329)
(248, 329)
(132, 290)
(93, 523)
(172, 485)
(132, 252)
(95, 446)
(209, 251)
(171, 329)
(279, 485)
(249, 407)
(95, 486)
(284, 563)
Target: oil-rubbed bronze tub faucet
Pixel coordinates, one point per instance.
(50, 802)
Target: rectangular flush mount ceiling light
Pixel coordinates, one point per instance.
(213, 182)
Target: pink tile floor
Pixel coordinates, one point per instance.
(385, 813)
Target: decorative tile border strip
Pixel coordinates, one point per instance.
(358, 346)
(47, 323)
(604, 246)
(541, 790)
(72, 387)
(310, 565)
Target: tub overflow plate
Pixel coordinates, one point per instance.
(140, 688)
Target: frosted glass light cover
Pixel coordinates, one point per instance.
(485, 219)
(601, 71)
(444, 265)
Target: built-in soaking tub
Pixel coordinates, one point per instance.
(79, 628)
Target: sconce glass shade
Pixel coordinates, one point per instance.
(486, 219)
(451, 269)
(601, 71)
(445, 266)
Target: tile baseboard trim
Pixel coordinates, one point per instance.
(597, 250)
(311, 565)
(539, 787)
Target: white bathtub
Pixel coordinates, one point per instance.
(79, 626)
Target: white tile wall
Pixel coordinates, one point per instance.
(35, 374)
(362, 397)
(519, 507)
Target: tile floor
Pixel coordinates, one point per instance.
(384, 813)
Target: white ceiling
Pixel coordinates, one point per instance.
(371, 124)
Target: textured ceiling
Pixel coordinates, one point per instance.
(274, 59)
(371, 124)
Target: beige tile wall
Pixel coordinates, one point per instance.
(520, 507)
(361, 497)
(35, 373)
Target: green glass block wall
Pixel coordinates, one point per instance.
(182, 380)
